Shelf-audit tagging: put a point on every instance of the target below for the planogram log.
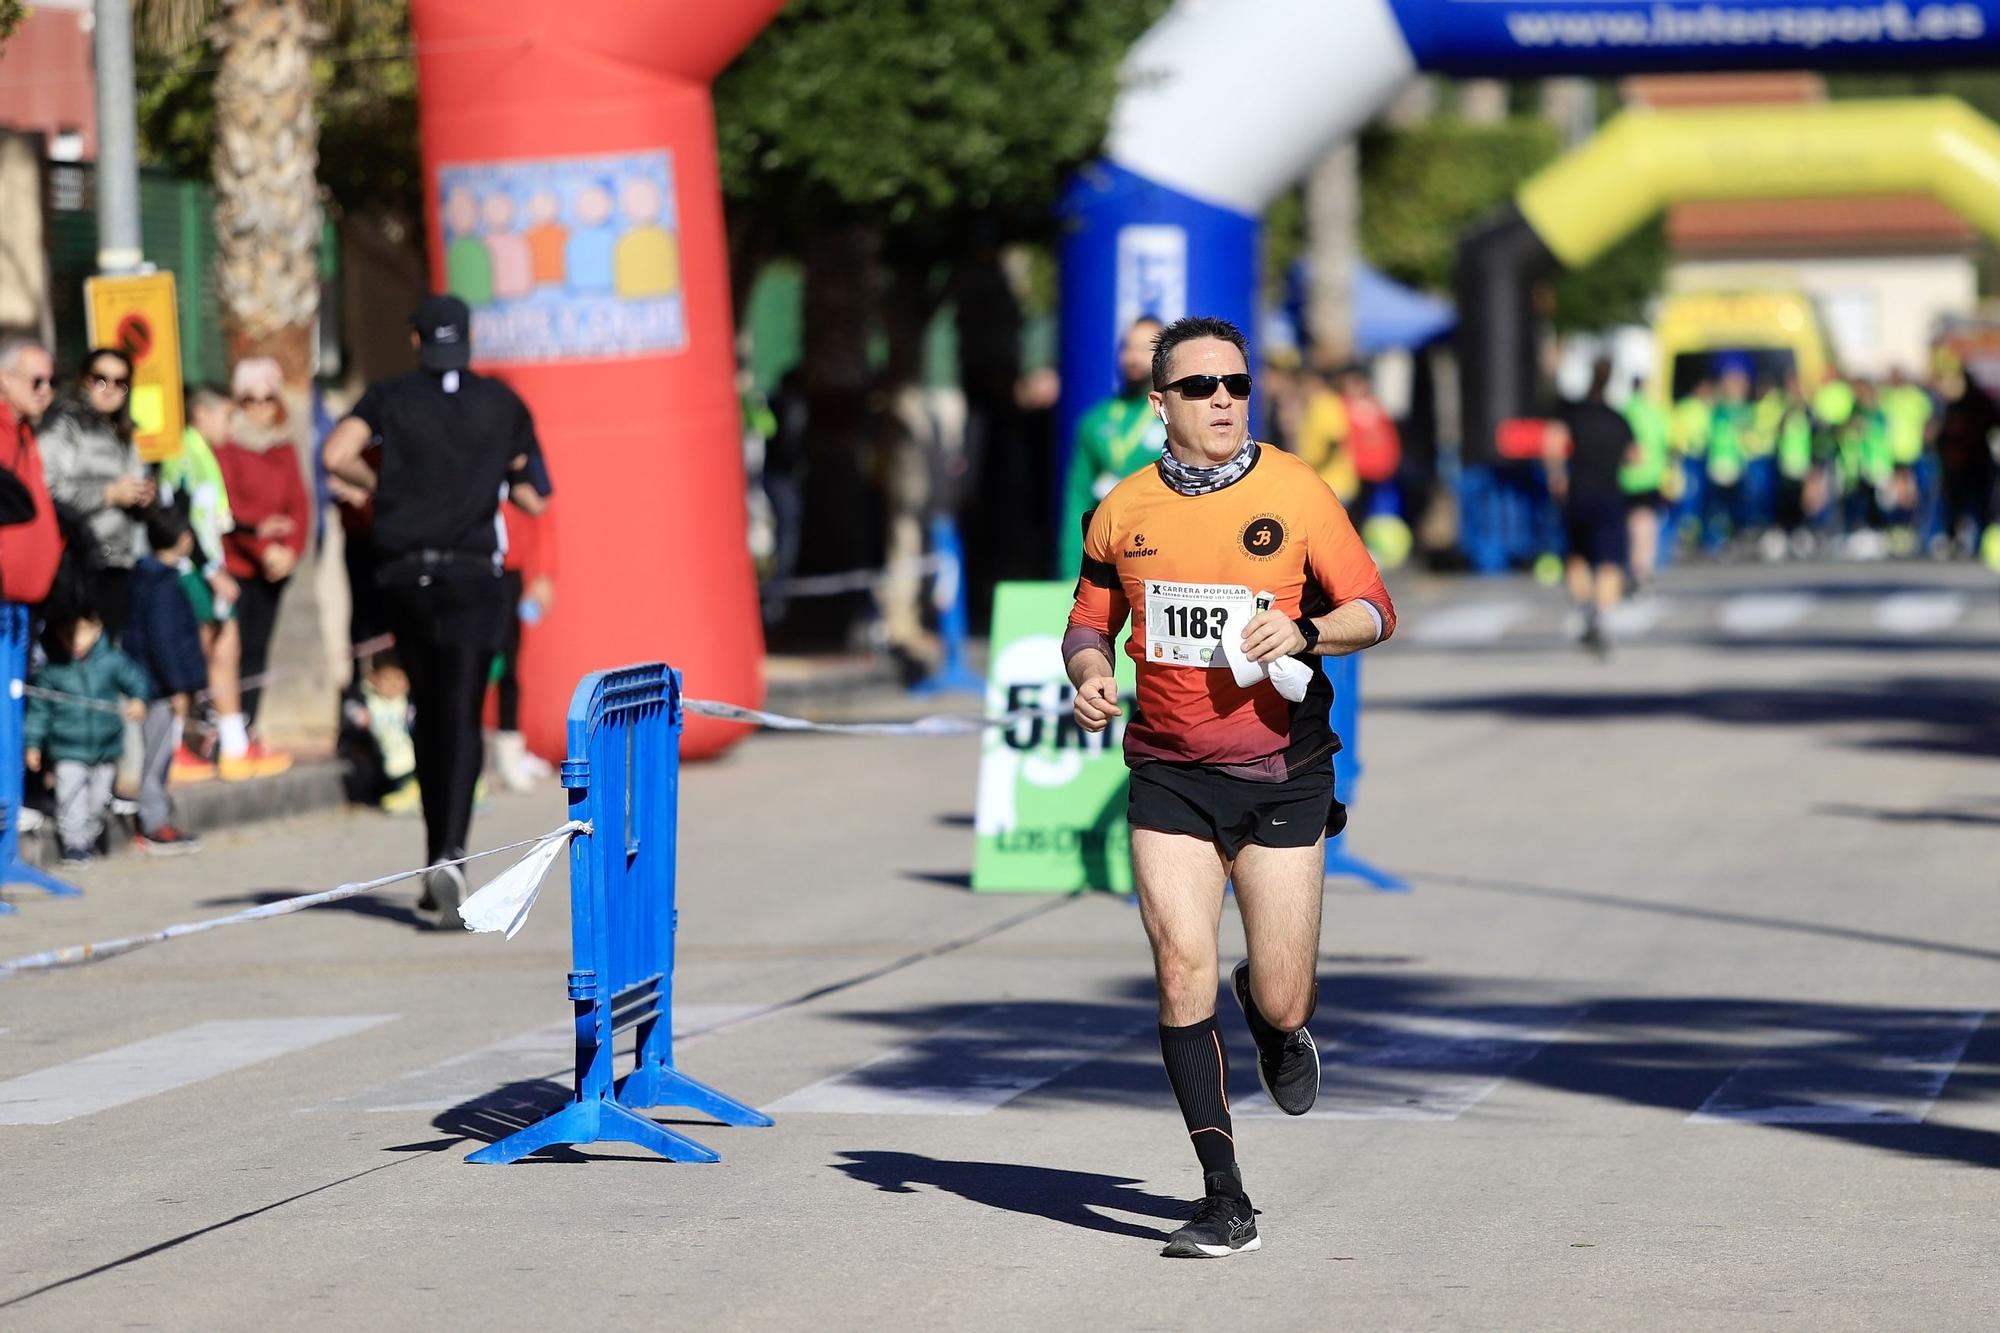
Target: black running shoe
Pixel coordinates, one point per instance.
(1287, 1062)
(1223, 1224)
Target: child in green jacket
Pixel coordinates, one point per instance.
(75, 723)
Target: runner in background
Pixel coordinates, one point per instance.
(1586, 455)
(1114, 439)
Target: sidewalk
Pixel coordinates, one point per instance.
(820, 686)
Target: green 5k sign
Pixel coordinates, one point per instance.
(1051, 814)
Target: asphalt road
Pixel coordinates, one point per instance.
(1684, 1025)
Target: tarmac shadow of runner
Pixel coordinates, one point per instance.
(1034, 1191)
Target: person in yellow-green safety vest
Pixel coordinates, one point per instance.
(1799, 499)
(1114, 439)
(1866, 472)
(1731, 425)
(1687, 438)
(1907, 415)
(1644, 480)
(1760, 468)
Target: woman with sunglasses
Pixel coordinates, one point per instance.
(94, 471)
(265, 481)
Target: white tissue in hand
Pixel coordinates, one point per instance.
(1246, 672)
(1291, 677)
(504, 904)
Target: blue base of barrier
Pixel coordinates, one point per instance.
(1339, 861)
(20, 872)
(951, 680)
(595, 1121)
(662, 1086)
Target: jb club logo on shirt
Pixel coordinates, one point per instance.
(1263, 536)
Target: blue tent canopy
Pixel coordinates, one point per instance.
(1387, 315)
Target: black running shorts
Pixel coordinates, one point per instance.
(1234, 812)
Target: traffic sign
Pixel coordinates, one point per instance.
(137, 314)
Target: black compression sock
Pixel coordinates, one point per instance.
(1199, 1072)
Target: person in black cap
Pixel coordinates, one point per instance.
(453, 444)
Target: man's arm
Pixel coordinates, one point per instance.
(1096, 617)
(1362, 615)
(343, 452)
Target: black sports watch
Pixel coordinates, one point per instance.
(1310, 630)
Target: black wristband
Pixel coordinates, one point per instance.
(1310, 630)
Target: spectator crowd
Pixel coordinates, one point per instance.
(154, 591)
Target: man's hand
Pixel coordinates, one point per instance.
(135, 710)
(222, 584)
(1097, 703)
(278, 562)
(1269, 636)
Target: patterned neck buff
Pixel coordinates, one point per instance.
(1202, 480)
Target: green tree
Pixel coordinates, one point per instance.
(1423, 186)
(11, 14)
(889, 146)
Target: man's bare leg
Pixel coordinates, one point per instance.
(1180, 880)
(1279, 890)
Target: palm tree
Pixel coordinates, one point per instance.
(268, 216)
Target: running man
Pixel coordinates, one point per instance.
(1227, 780)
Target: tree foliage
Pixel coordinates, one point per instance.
(11, 14)
(918, 118)
(365, 75)
(1423, 186)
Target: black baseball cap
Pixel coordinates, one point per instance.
(444, 330)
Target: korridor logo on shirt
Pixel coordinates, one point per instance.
(1263, 536)
(1139, 547)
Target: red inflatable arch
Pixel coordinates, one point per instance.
(570, 172)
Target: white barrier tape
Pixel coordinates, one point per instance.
(78, 954)
(81, 701)
(937, 724)
(852, 580)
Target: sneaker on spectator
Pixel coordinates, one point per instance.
(166, 840)
(407, 799)
(189, 767)
(75, 856)
(269, 763)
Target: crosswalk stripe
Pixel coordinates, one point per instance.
(159, 1064)
(1635, 619)
(1482, 623)
(485, 1076)
(1434, 1065)
(1882, 1070)
(1764, 613)
(968, 1068)
(1907, 614)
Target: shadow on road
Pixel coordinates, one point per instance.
(1068, 1197)
(1957, 715)
(366, 904)
(1404, 1047)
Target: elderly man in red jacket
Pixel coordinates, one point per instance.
(30, 542)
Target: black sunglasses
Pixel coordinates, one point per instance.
(110, 382)
(1203, 386)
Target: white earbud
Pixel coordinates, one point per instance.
(1161, 413)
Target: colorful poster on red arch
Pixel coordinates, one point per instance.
(565, 259)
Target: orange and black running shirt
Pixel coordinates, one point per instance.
(1186, 568)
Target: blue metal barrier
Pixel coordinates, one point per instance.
(14, 628)
(1345, 675)
(623, 779)
(953, 676)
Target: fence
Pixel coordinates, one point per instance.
(14, 647)
(623, 779)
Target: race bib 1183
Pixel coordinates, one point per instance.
(1185, 621)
